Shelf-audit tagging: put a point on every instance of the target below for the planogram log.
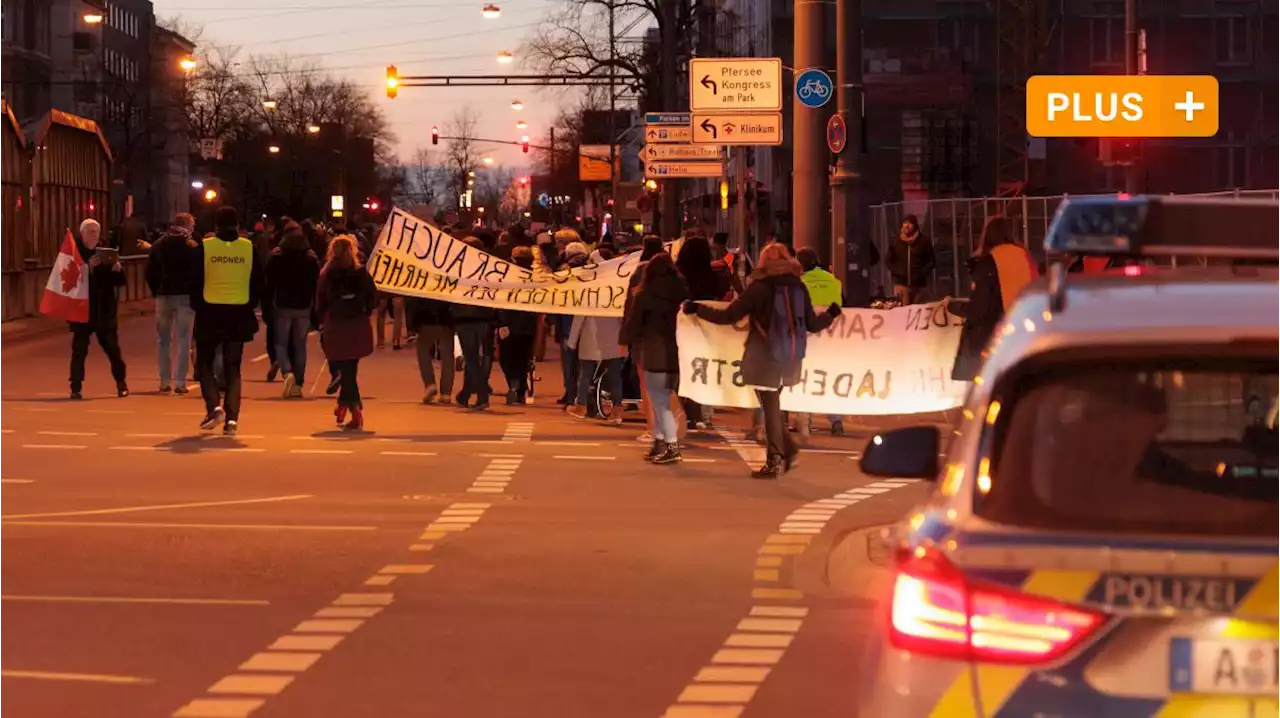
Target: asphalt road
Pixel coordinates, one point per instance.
(443, 563)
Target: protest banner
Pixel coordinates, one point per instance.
(868, 362)
(414, 258)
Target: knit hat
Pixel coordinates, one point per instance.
(574, 249)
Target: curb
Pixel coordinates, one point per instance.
(17, 332)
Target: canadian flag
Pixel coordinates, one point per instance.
(66, 295)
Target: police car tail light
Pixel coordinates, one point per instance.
(936, 611)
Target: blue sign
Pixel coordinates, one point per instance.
(814, 88)
(544, 200)
(667, 118)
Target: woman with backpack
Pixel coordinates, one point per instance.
(781, 315)
(345, 300)
(649, 328)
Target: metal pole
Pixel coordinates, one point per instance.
(669, 217)
(809, 153)
(613, 110)
(552, 184)
(1131, 68)
(850, 253)
(738, 231)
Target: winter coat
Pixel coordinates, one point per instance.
(225, 322)
(293, 271)
(468, 314)
(351, 338)
(649, 326)
(911, 263)
(169, 266)
(103, 300)
(563, 323)
(422, 312)
(759, 368)
(520, 323)
(998, 277)
(596, 338)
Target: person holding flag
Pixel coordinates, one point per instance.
(82, 290)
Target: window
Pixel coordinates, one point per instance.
(1106, 37)
(1231, 36)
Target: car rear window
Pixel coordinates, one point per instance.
(1171, 446)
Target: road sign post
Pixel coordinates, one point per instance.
(746, 128)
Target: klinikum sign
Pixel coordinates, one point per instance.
(735, 84)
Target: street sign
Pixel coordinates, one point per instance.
(661, 170)
(654, 134)
(735, 84)
(680, 152)
(593, 162)
(814, 88)
(754, 128)
(837, 134)
(666, 118)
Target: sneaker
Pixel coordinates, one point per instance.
(395, 346)
(165, 389)
(700, 425)
(122, 389)
(357, 420)
(462, 400)
(181, 389)
(513, 399)
(644, 438)
(272, 372)
(837, 427)
(445, 400)
(334, 383)
(670, 454)
(76, 395)
(577, 412)
(290, 383)
(212, 419)
(614, 420)
(772, 467)
(297, 391)
(229, 428)
(430, 395)
(480, 406)
(654, 450)
(340, 415)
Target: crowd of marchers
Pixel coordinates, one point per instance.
(302, 277)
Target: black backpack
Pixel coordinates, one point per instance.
(345, 301)
(788, 336)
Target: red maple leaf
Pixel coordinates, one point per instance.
(70, 277)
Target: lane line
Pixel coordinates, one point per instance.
(251, 685)
(17, 481)
(407, 453)
(502, 456)
(139, 599)
(53, 446)
(67, 433)
(157, 507)
(219, 708)
(320, 451)
(158, 525)
(584, 457)
(109, 411)
(140, 448)
(276, 661)
(305, 643)
(568, 443)
(82, 677)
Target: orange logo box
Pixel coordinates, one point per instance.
(1122, 106)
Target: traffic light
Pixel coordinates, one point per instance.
(435, 135)
(524, 181)
(524, 144)
(393, 81)
(210, 195)
(651, 185)
(724, 195)
(1119, 151)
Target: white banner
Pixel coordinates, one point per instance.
(415, 258)
(868, 362)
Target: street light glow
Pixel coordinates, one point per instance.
(517, 105)
(488, 160)
(93, 18)
(268, 104)
(522, 125)
(505, 57)
(210, 194)
(274, 149)
(313, 129)
(187, 64)
(491, 12)
(197, 184)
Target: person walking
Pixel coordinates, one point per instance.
(910, 261)
(431, 320)
(824, 289)
(516, 336)
(345, 299)
(649, 328)
(292, 273)
(695, 265)
(595, 339)
(573, 255)
(781, 314)
(264, 240)
(106, 275)
(169, 270)
(474, 326)
(1000, 269)
(227, 285)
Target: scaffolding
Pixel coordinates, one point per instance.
(1024, 30)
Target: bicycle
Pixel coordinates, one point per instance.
(604, 403)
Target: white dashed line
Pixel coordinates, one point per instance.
(493, 480)
(407, 453)
(17, 481)
(584, 457)
(518, 431)
(67, 433)
(140, 448)
(320, 451)
(54, 446)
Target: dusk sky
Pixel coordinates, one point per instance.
(359, 38)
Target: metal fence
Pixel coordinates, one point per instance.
(954, 226)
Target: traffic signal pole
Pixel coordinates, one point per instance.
(1131, 68)
(850, 251)
(809, 151)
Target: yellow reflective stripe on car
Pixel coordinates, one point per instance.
(996, 683)
(1260, 602)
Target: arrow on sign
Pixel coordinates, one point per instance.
(708, 83)
(708, 126)
(653, 152)
(653, 134)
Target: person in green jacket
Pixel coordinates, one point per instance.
(825, 289)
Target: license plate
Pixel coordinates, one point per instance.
(1224, 666)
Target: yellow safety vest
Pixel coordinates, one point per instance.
(227, 269)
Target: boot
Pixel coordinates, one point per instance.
(790, 461)
(670, 454)
(772, 467)
(340, 414)
(357, 420)
(655, 449)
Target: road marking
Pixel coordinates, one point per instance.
(584, 457)
(492, 480)
(158, 525)
(109, 411)
(570, 443)
(67, 433)
(83, 677)
(697, 461)
(320, 451)
(768, 561)
(502, 456)
(406, 569)
(328, 625)
(780, 611)
(184, 413)
(422, 547)
(780, 625)
(348, 612)
(486, 441)
(138, 599)
(287, 662)
(17, 481)
(219, 708)
(363, 599)
(704, 710)
(230, 450)
(786, 594)
(457, 519)
(407, 453)
(783, 550)
(158, 507)
(712, 693)
(53, 446)
(251, 685)
(305, 643)
(747, 656)
(6, 431)
(765, 574)
(379, 580)
(748, 450)
(463, 512)
(484, 490)
(140, 448)
(518, 431)
(732, 674)
(833, 451)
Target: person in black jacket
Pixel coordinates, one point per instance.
(104, 280)
(649, 328)
(910, 261)
(474, 326)
(431, 321)
(169, 269)
(515, 339)
(292, 272)
(776, 271)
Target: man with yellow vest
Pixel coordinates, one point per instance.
(825, 289)
(227, 285)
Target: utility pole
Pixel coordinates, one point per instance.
(738, 230)
(613, 111)
(1131, 68)
(809, 152)
(669, 218)
(850, 253)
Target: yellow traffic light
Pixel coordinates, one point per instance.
(210, 194)
(724, 195)
(651, 185)
(393, 81)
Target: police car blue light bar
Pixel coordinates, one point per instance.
(1157, 226)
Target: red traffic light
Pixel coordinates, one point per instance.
(435, 135)
(524, 181)
(524, 144)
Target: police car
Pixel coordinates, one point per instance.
(1103, 537)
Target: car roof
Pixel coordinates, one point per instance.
(1163, 308)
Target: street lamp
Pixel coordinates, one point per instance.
(491, 12)
(522, 125)
(313, 129)
(487, 161)
(505, 57)
(92, 18)
(273, 149)
(187, 64)
(210, 194)
(472, 173)
(268, 104)
(197, 184)
(517, 105)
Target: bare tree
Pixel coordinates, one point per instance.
(425, 174)
(462, 156)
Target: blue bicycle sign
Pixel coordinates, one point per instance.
(814, 88)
